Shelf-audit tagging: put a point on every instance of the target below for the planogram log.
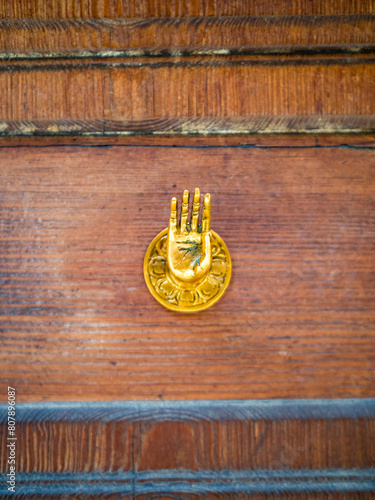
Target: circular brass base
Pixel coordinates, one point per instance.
(186, 297)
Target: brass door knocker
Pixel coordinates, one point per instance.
(187, 266)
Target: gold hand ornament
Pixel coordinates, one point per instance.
(189, 246)
(187, 266)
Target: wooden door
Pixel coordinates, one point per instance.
(108, 110)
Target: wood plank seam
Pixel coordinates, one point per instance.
(187, 75)
(182, 37)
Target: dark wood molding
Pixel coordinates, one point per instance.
(159, 127)
(219, 141)
(193, 448)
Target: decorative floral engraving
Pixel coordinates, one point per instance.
(188, 295)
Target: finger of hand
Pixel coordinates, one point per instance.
(195, 211)
(184, 209)
(206, 217)
(173, 218)
(207, 250)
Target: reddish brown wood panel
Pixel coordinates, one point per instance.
(235, 95)
(79, 323)
(53, 38)
(208, 74)
(179, 8)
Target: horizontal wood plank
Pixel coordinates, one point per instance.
(76, 38)
(262, 141)
(187, 75)
(232, 95)
(250, 449)
(79, 323)
(178, 8)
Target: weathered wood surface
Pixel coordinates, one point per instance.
(78, 322)
(238, 94)
(261, 141)
(105, 38)
(228, 69)
(190, 450)
(178, 8)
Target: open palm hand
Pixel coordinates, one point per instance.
(189, 244)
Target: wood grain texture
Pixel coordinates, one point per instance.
(195, 450)
(261, 141)
(78, 322)
(190, 450)
(81, 38)
(178, 8)
(234, 95)
(237, 74)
